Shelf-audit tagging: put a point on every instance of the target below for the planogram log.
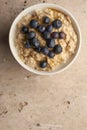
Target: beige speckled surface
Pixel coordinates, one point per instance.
(57, 102)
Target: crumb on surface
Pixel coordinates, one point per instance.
(28, 76)
(43, 1)
(21, 105)
(6, 2)
(38, 124)
(1, 93)
(23, 8)
(3, 112)
(25, 2)
(68, 102)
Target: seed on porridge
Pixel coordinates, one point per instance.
(46, 35)
(44, 50)
(50, 43)
(51, 54)
(57, 23)
(43, 64)
(46, 19)
(55, 35)
(62, 35)
(41, 28)
(24, 29)
(58, 49)
(31, 34)
(34, 23)
(27, 44)
(49, 28)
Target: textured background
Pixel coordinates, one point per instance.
(29, 101)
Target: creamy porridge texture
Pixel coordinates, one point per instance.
(47, 54)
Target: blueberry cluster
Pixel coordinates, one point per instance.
(51, 49)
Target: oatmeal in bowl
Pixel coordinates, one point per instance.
(45, 40)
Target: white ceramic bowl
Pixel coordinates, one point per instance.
(12, 37)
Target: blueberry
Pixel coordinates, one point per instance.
(35, 43)
(62, 35)
(57, 23)
(58, 49)
(50, 43)
(46, 35)
(38, 49)
(55, 35)
(43, 64)
(24, 29)
(31, 34)
(45, 50)
(34, 23)
(27, 44)
(49, 28)
(41, 28)
(51, 54)
(46, 19)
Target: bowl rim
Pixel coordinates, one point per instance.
(45, 72)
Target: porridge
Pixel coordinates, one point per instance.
(45, 39)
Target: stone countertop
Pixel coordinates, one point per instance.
(32, 102)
